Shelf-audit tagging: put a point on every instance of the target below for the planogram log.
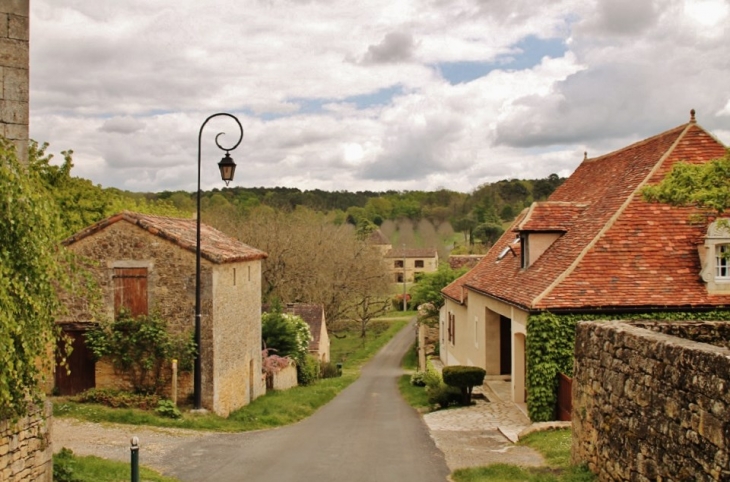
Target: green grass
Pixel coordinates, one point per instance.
(275, 409)
(95, 469)
(415, 396)
(554, 445)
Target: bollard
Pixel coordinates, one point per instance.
(135, 459)
(173, 392)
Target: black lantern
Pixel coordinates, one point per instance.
(227, 168)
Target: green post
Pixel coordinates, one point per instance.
(135, 459)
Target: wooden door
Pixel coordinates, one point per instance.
(505, 346)
(130, 290)
(79, 374)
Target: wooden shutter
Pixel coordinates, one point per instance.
(130, 290)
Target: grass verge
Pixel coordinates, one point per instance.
(74, 468)
(276, 408)
(554, 445)
(415, 396)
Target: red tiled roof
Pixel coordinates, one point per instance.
(313, 315)
(458, 261)
(617, 250)
(214, 245)
(377, 238)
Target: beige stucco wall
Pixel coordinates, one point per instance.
(478, 337)
(324, 343)
(14, 73)
(236, 335)
(538, 243)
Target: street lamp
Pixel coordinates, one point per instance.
(227, 168)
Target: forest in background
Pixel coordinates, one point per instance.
(316, 240)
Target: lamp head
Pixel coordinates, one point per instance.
(227, 168)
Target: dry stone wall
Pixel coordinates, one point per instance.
(650, 403)
(26, 453)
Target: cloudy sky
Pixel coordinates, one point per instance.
(377, 95)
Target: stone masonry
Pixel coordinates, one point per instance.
(651, 400)
(26, 453)
(14, 73)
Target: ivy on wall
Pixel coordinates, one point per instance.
(31, 269)
(551, 345)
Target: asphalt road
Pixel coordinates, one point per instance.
(367, 433)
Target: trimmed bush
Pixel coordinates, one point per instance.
(464, 378)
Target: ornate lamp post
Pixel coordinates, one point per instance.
(227, 168)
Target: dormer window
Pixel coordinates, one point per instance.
(722, 263)
(715, 258)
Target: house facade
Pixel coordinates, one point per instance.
(146, 264)
(407, 263)
(594, 248)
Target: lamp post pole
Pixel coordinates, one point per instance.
(405, 303)
(227, 168)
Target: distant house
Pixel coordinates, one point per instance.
(406, 263)
(313, 315)
(146, 263)
(595, 247)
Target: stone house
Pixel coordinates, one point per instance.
(407, 263)
(594, 248)
(313, 315)
(146, 264)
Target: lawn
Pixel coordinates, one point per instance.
(415, 396)
(276, 408)
(68, 467)
(554, 445)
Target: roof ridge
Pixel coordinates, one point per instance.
(619, 211)
(682, 127)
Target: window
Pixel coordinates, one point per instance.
(722, 263)
(399, 277)
(130, 290)
(398, 263)
(452, 328)
(419, 263)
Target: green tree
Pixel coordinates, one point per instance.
(427, 291)
(488, 233)
(706, 185)
(285, 334)
(32, 268)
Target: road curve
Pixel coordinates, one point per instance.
(367, 433)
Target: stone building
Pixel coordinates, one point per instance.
(14, 74)
(313, 315)
(594, 248)
(407, 263)
(146, 264)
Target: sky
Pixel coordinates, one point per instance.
(373, 95)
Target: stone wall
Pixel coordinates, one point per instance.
(649, 405)
(286, 378)
(14, 73)
(26, 453)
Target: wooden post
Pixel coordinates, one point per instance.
(421, 347)
(173, 394)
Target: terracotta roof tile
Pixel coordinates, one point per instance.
(616, 250)
(215, 246)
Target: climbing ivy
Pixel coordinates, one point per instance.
(31, 270)
(551, 345)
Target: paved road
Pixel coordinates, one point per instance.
(367, 433)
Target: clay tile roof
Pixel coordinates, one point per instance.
(377, 238)
(616, 251)
(214, 245)
(412, 253)
(551, 216)
(314, 316)
(458, 261)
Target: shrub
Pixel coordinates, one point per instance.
(330, 370)
(286, 334)
(308, 372)
(119, 398)
(464, 378)
(63, 466)
(443, 395)
(167, 408)
(139, 347)
(418, 379)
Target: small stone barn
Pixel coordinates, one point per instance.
(146, 264)
(313, 314)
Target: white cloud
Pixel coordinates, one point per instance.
(127, 85)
